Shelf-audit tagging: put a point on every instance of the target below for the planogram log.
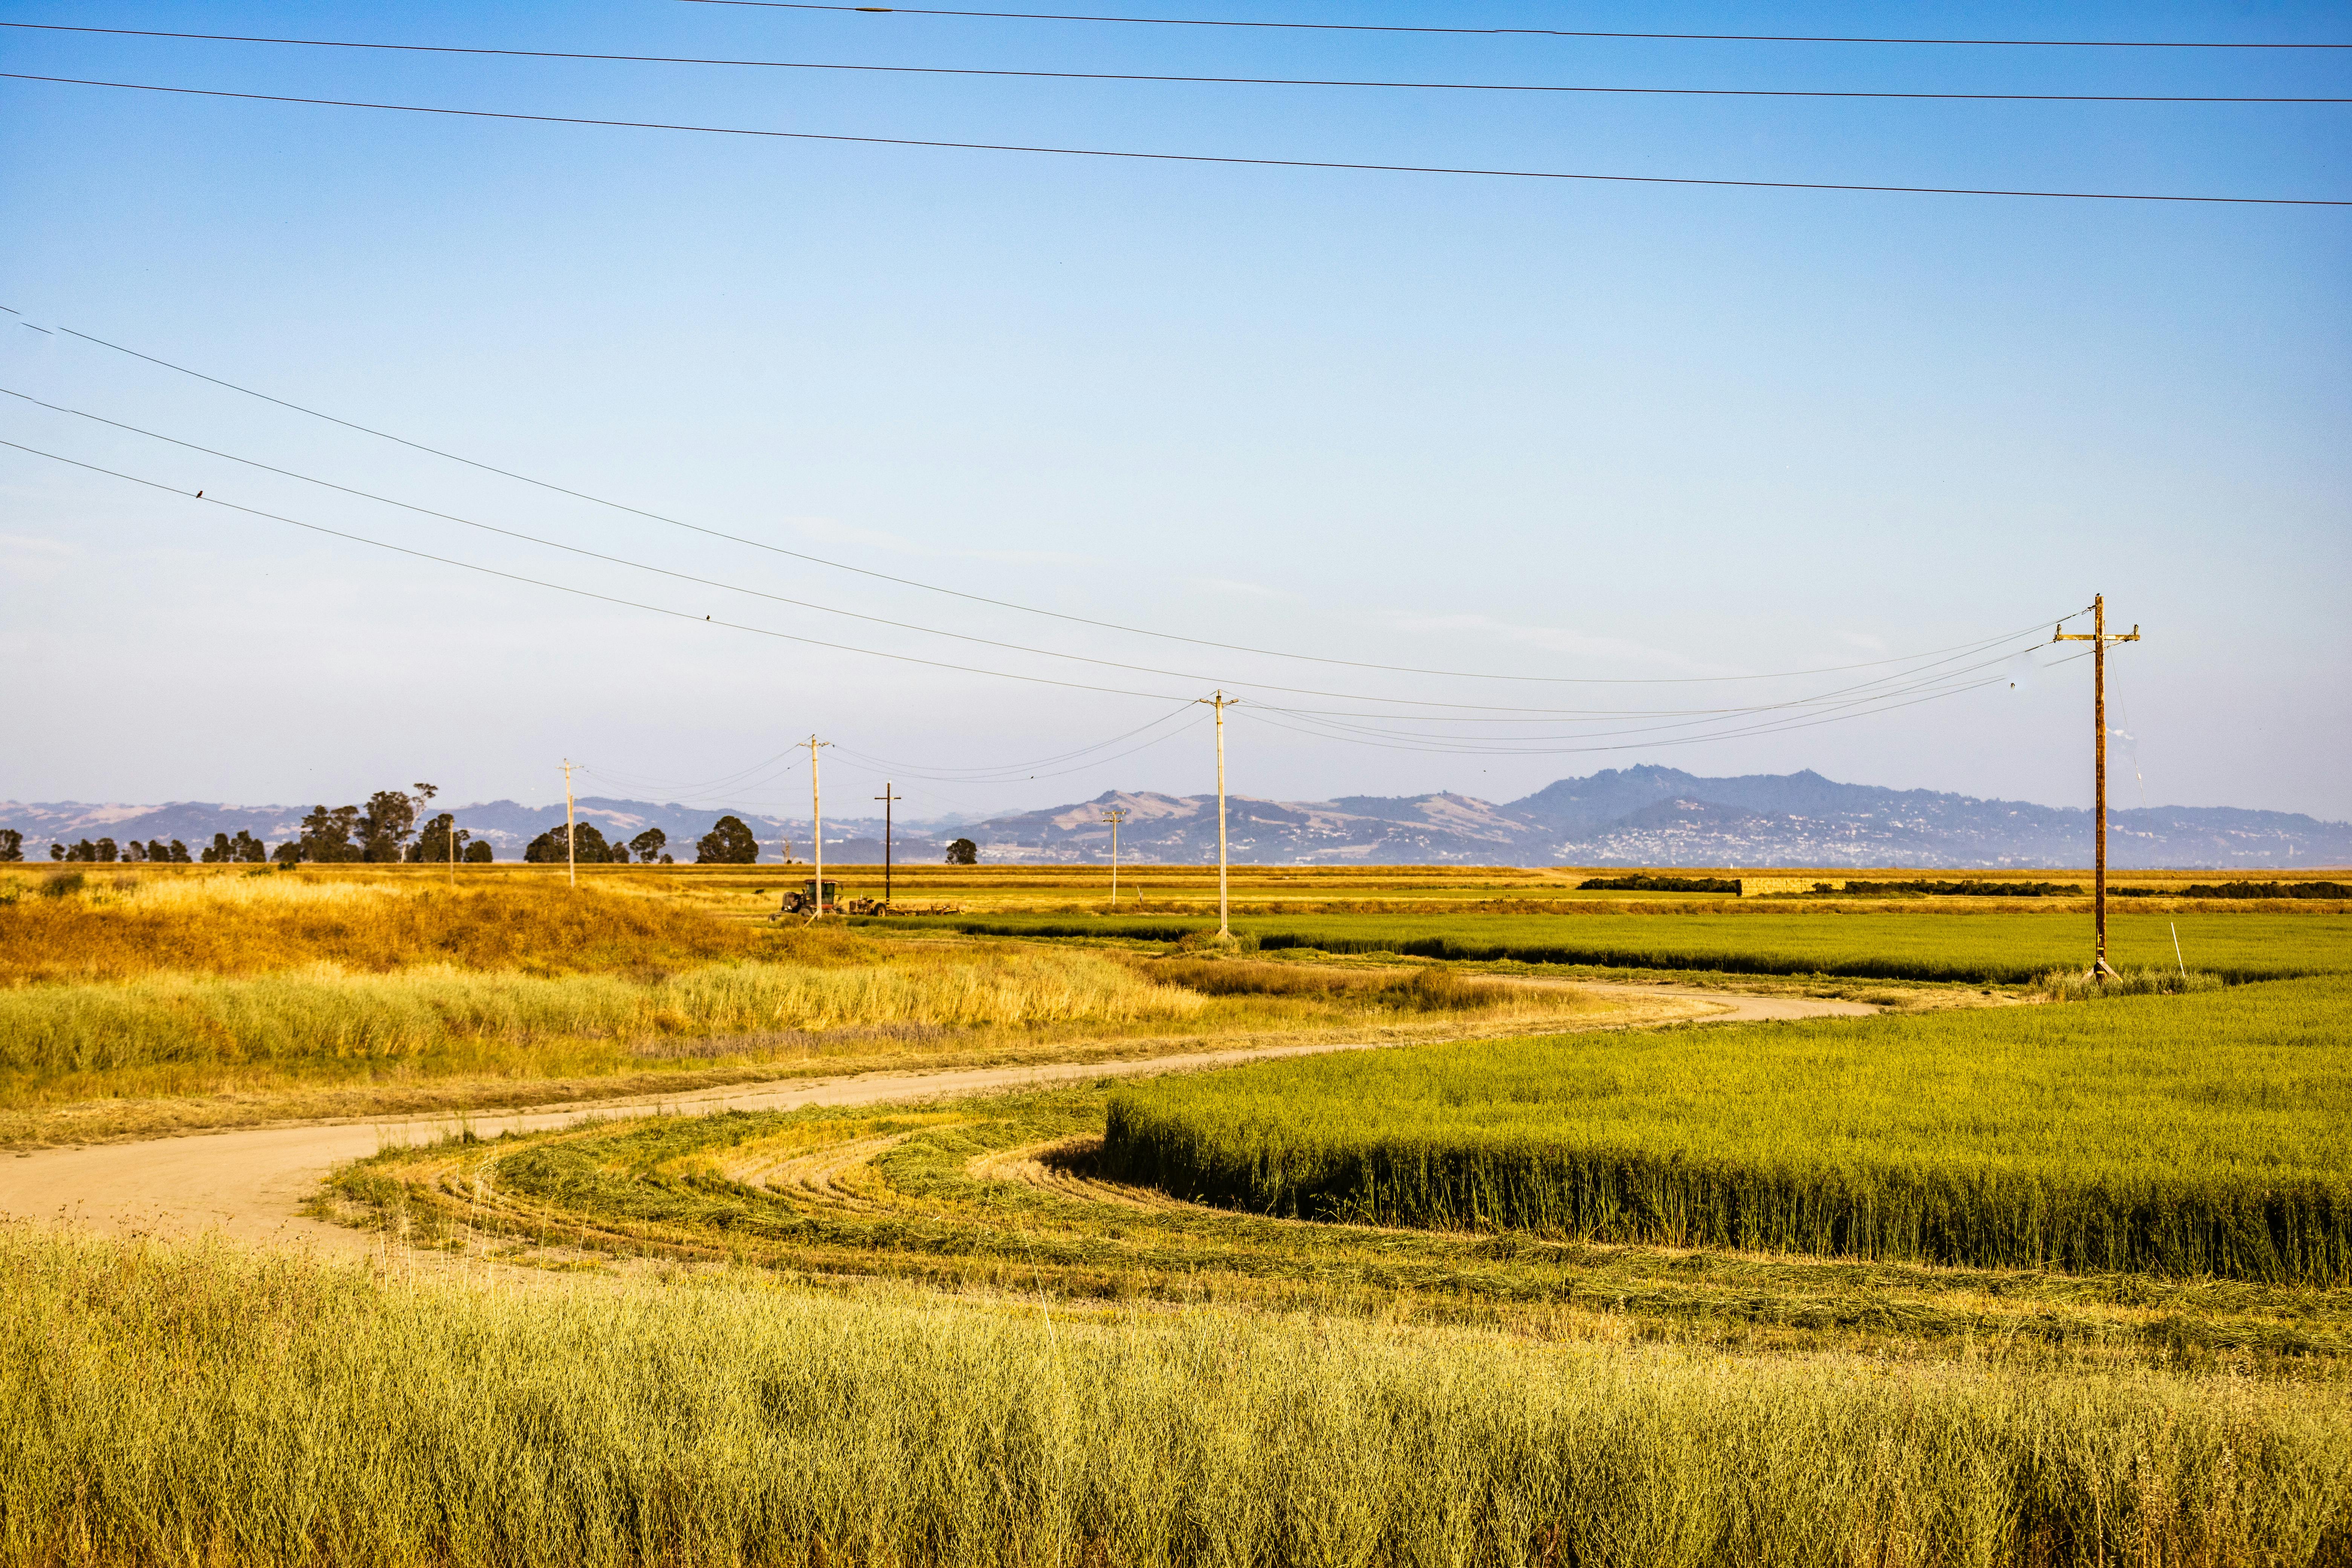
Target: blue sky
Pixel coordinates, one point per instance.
(1627, 432)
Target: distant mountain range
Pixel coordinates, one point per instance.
(1631, 816)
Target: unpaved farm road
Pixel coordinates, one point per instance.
(250, 1184)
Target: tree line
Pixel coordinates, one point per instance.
(385, 830)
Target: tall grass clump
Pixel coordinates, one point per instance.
(1429, 988)
(238, 925)
(2079, 986)
(325, 1016)
(189, 1404)
(2207, 1134)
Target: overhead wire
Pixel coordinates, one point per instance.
(1778, 728)
(1037, 75)
(1310, 720)
(1518, 32)
(1548, 714)
(1225, 160)
(1720, 728)
(1708, 715)
(695, 528)
(1033, 762)
(1002, 777)
(581, 592)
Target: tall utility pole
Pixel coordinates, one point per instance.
(2098, 638)
(887, 800)
(1221, 702)
(571, 857)
(817, 814)
(1115, 816)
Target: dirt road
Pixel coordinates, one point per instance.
(250, 1184)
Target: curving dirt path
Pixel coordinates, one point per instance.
(250, 1184)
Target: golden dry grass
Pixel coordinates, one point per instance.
(117, 926)
(292, 993)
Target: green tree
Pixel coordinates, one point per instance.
(103, 851)
(132, 850)
(245, 847)
(179, 853)
(327, 835)
(432, 846)
(963, 852)
(589, 847)
(479, 853)
(217, 851)
(649, 844)
(11, 845)
(385, 827)
(56, 851)
(288, 853)
(729, 843)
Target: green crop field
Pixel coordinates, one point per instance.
(1991, 947)
(192, 1405)
(1968, 1283)
(2208, 1134)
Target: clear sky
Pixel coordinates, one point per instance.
(1528, 428)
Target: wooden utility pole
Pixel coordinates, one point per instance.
(1115, 816)
(2098, 638)
(817, 814)
(571, 855)
(1221, 702)
(887, 800)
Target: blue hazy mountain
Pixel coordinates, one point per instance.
(1630, 816)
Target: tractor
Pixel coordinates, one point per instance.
(801, 901)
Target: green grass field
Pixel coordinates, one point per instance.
(1995, 947)
(2176, 1135)
(193, 1405)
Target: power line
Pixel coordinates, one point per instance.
(1891, 687)
(1520, 32)
(1484, 710)
(1775, 728)
(1450, 170)
(1153, 76)
(960, 593)
(786, 636)
(583, 593)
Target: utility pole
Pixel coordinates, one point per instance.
(887, 800)
(1221, 702)
(1115, 816)
(571, 856)
(816, 814)
(2098, 638)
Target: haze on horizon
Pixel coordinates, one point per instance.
(1605, 432)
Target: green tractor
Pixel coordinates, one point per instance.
(801, 901)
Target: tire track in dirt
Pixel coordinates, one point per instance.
(250, 1184)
